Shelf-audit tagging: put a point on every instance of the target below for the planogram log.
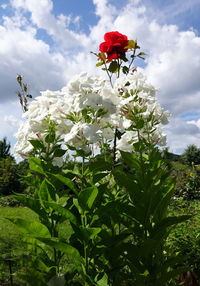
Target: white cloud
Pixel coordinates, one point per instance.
(21, 52)
(175, 70)
(10, 113)
(180, 134)
(56, 27)
(11, 120)
(170, 10)
(4, 6)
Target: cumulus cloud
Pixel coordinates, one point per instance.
(180, 134)
(171, 11)
(21, 52)
(172, 64)
(175, 68)
(10, 114)
(56, 27)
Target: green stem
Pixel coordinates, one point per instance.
(83, 163)
(119, 227)
(109, 76)
(119, 66)
(133, 57)
(85, 246)
(142, 172)
(53, 235)
(114, 147)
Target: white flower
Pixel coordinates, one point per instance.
(74, 133)
(126, 142)
(92, 133)
(88, 110)
(126, 123)
(57, 161)
(108, 133)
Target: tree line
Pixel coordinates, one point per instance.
(10, 171)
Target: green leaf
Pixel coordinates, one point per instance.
(87, 197)
(31, 228)
(50, 138)
(76, 203)
(161, 207)
(35, 164)
(37, 144)
(69, 250)
(125, 69)
(166, 276)
(63, 212)
(32, 203)
(66, 181)
(102, 279)
(46, 192)
(99, 64)
(167, 222)
(131, 160)
(100, 164)
(131, 44)
(113, 67)
(57, 281)
(123, 180)
(59, 152)
(97, 177)
(86, 233)
(90, 232)
(142, 54)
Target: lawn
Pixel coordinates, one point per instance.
(9, 236)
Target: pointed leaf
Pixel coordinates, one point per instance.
(87, 197)
(35, 164)
(66, 181)
(32, 228)
(63, 212)
(131, 44)
(167, 222)
(69, 250)
(37, 144)
(113, 67)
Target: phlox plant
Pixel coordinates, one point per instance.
(101, 186)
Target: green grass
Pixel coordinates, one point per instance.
(178, 166)
(11, 245)
(185, 237)
(10, 237)
(8, 229)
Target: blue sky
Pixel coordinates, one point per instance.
(50, 41)
(83, 9)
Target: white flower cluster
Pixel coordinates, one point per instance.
(87, 112)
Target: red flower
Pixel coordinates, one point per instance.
(114, 46)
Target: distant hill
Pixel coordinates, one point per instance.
(172, 156)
